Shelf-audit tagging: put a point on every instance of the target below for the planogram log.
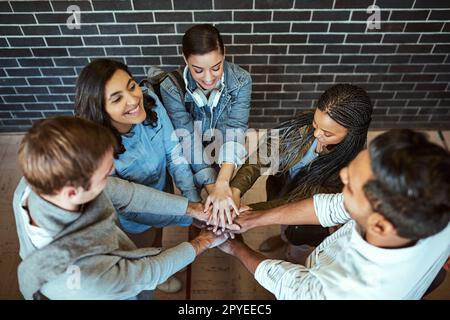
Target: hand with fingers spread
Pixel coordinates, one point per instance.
(221, 204)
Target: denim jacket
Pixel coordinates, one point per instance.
(150, 151)
(231, 112)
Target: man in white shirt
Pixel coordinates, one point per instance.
(395, 238)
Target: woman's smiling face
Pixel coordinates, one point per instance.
(124, 101)
(206, 69)
(326, 130)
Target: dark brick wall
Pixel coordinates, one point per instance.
(294, 50)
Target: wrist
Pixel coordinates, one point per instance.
(236, 191)
(236, 247)
(222, 183)
(191, 210)
(257, 220)
(209, 188)
(200, 245)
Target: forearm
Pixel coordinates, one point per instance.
(225, 174)
(236, 192)
(295, 213)
(132, 197)
(209, 188)
(184, 180)
(200, 245)
(246, 177)
(249, 258)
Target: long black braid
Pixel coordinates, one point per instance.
(348, 105)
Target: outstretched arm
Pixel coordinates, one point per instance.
(284, 279)
(249, 258)
(301, 212)
(221, 198)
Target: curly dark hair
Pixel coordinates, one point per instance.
(90, 96)
(412, 184)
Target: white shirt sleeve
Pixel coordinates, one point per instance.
(330, 209)
(288, 281)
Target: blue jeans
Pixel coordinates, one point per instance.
(138, 222)
(144, 295)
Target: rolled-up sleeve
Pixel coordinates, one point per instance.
(233, 149)
(288, 281)
(205, 176)
(179, 167)
(187, 133)
(330, 209)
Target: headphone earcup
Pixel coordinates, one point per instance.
(214, 98)
(199, 98)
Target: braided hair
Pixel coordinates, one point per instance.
(348, 105)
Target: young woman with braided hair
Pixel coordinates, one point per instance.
(313, 147)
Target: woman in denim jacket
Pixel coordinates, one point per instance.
(216, 105)
(149, 152)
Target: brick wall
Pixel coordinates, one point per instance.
(294, 50)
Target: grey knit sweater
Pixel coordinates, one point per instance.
(90, 257)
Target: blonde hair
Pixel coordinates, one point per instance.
(63, 151)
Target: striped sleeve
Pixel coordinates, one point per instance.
(330, 209)
(288, 281)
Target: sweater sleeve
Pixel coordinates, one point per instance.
(132, 197)
(112, 277)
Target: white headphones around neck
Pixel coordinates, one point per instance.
(199, 97)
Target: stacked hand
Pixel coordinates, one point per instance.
(196, 210)
(206, 240)
(220, 213)
(221, 206)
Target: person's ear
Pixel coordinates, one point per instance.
(69, 192)
(379, 225)
(185, 60)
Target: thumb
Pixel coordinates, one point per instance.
(244, 208)
(233, 227)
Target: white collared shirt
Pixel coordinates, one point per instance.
(345, 266)
(38, 236)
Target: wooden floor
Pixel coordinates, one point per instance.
(213, 276)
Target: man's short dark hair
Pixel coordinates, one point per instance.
(412, 183)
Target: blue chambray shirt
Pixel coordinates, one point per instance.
(232, 112)
(309, 156)
(150, 151)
